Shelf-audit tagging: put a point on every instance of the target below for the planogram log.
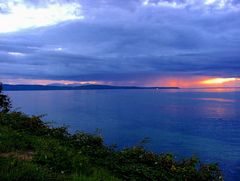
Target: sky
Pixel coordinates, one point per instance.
(185, 43)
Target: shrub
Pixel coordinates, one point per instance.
(98, 174)
(5, 103)
(14, 141)
(18, 170)
(81, 139)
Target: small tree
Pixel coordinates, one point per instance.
(5, 102)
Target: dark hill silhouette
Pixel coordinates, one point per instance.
(8, 87)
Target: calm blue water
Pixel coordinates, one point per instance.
(185, 122)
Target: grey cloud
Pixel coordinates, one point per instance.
(124, 41)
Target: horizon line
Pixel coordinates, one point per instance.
(75, 85)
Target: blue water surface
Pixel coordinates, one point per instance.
(185, 122)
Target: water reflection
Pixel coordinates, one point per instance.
(216, 99)
(212, 89)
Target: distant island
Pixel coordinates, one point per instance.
(8, 87)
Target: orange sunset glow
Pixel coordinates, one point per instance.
(182, 82)
(218, 81)
(195, 82)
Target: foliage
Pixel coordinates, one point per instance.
(5, 103)
(11, 141)
(12, 169)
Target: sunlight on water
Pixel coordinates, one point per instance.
(216, 99)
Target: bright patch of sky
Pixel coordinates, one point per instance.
(193, 4)
(18, 15)
(58, 49)
(16, 54)
(169, 4)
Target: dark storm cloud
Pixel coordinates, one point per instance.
(128, 40)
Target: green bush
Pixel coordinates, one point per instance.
(18, 170)
(98, 174)
(14, 141)
(60, 158)
(5, 102)
(81, 139)
(18, 121)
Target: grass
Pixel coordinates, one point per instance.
(30, 149)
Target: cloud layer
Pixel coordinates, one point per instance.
(123, 42)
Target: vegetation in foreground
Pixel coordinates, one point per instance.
(30, 149)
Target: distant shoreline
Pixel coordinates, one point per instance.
(8, 87)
